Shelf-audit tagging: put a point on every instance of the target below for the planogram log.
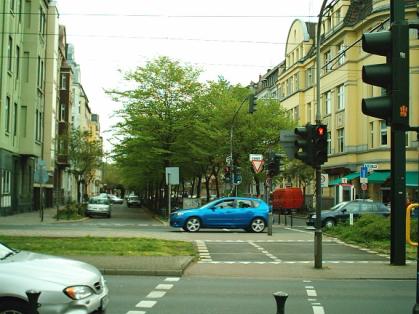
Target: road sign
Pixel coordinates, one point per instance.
(41, 173)
(371, 166)
(255, 157)
(364, 171)
(172, 175)
(324, 180)
(257, 165)
(363, 180)
(228, 160)
(364, 186)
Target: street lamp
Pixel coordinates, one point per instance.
(231, 144)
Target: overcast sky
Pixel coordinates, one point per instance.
(236, 39)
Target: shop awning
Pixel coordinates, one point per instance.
(349, 177)
(412, 179)
(378, 176)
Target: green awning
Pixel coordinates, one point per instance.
(412, 179)
(349, 176)
(378, 176)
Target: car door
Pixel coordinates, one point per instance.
(244, 212)
(220, 214)
(350, 208)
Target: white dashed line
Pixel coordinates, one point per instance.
(163, 286)
(156, 294)
(136, 312)
(262, 250)
(318, 309)
(172, 279)
(146, 304)
(311, 293)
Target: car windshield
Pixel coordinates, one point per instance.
(133, 198)
(5, 251)
(99, 201)
(338, 206)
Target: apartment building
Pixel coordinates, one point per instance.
(36, 107)
(354, 139)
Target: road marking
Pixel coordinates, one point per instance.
(163, 286)
(156, 294)
(172, 279)
(203, 252)
(318, 309)
(262, 250)
(136, 312)
(275, 262)
(311, 293)
(146, 304)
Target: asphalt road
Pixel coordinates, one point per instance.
(205, 295)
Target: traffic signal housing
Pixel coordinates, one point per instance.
(252, 103)
(319, 144)
(274, 164)
(393, 76)
(303, 144)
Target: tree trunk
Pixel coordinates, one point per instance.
(257, 184)
(198, 187)
(192, 187)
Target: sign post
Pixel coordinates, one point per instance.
(172, 177)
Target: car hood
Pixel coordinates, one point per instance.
(52, 268)
(187, 210)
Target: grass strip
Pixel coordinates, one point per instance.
(105, 246)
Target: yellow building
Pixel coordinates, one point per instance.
(354, 139)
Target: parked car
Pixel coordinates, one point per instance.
(99, 206)
(115, 199)
(246, 213)
(133, 200)
(341, 212)
(66, 286)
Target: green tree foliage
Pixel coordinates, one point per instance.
(85, 156)
(169, 118)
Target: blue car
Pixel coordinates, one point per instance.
(246, 213)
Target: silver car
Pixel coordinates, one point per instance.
(99, 206)
(66, 286)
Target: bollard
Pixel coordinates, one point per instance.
(33, 297)
(280, 298)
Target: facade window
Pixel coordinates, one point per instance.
(328, 103)
(12, 5)
(20, 10)
(327, 66)
(341, 53)
(329, 142)
(341, 140)
(36, 124)
(42, 20)
(23, 115)
(308, 117)
(40, 80)
(15, 119)
(338, 18)
(341, 97)
(371, 134)
(9, 54)
(5, 181)
(383, 133)
(309, 77)
(296, 82)
(296, 114)
(17, 61)
(7, 115)
(62, 112)
(64, 81)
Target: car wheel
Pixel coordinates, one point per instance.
(329, 223)
(193, 224)
(257, 225)
(14, 307)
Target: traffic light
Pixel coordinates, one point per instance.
(393, 75)
(319, 144)
(237, 177)
(303, 144)
(274, 164)
(252, 103)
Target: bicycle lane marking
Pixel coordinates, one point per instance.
(312, 298)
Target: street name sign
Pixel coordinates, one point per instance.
(172, 175)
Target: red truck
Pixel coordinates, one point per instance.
(287, 199)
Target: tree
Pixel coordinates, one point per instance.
(85, 156)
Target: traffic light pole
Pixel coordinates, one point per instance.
(318, 232)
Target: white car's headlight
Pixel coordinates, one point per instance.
(78, 292)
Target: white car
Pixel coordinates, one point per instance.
(99, 206)
(66, 286)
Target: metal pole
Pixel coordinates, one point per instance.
(268, 187)
(280, 298)
(318, 231)
(169, 201)
(33, 297)
(231, 144)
